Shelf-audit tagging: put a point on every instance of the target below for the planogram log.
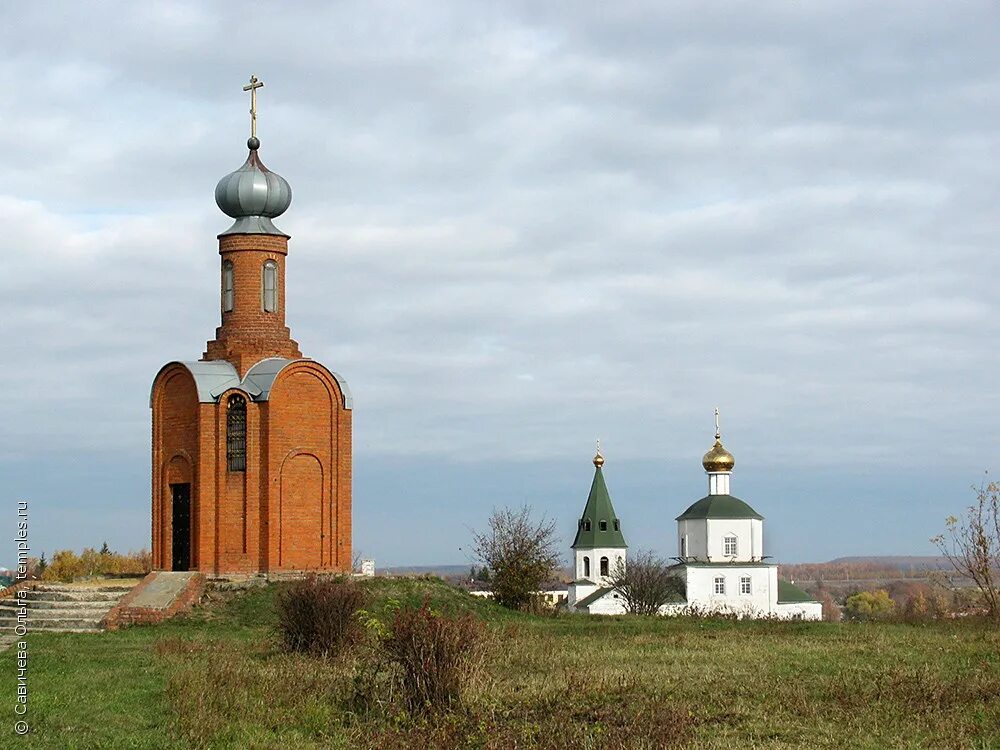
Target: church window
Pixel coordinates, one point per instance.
(618, 526)
(604, 525)
(586, 567)
(270, 286)
(745, 586)
(605, 567)
(236, 433)
(730, 546)
(227, 286)
(684, 546)
(586, 525)
(720, 585)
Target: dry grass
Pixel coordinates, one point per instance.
(220, 680)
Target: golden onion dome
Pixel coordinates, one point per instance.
(598, 458)
(718, 458)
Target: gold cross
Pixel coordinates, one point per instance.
(717, 433)
(252, 88)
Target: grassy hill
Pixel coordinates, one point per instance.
(216, 679)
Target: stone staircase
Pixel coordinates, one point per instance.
(64, 608)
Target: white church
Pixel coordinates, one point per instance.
(720, 554)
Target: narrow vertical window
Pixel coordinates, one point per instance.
(605, 567)
(586, 567)
(730, 546)
(227, 286)
(236, 433)
(270, 286)
(684, 546)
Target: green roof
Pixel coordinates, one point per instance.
(588, 600)
(727, 564)
(719, 506)
(789, 593)
(599, 510)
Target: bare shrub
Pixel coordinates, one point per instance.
(646, 583)
(972, 545)
(437, 655)
(831, 612)
(520, 553)
(319, 615)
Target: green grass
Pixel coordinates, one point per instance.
(216, 679)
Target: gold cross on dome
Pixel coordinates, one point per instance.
(717, 433)
(252, 88)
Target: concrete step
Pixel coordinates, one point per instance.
(54, 614)
(71, 588)
(55, 623)
(74, 595)
(40, 604)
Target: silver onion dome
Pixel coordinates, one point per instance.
(253, 195)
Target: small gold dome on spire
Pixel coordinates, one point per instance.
(718, 458)
(598, 458)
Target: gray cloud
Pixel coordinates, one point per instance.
(518, 227)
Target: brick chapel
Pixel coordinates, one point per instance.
(252, 443)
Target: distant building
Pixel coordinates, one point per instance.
(251, 443)
(599, 550)
(720, 544)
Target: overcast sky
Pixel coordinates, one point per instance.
(516, 228)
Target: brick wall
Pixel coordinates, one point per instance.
(291, 508)
(124, 614)
(248, 334)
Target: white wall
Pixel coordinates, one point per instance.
(800, 611)
(705, 538)
(595, 555)
(701, 588)
(697, 541)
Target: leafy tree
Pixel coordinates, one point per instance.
(646, 583)
(870, 605)
(972, 545)
(521, 553)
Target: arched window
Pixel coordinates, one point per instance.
(270, 286)
(586, 525)
(605, 567)
(586, 567)
(227, 286)
(236, 433)
(604, 526)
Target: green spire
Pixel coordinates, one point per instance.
(599, 526)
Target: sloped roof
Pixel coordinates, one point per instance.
(789, 593)
(719, 506)
(588, 600)
(599, 508)
(213, 378)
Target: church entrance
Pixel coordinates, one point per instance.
(181, 528)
